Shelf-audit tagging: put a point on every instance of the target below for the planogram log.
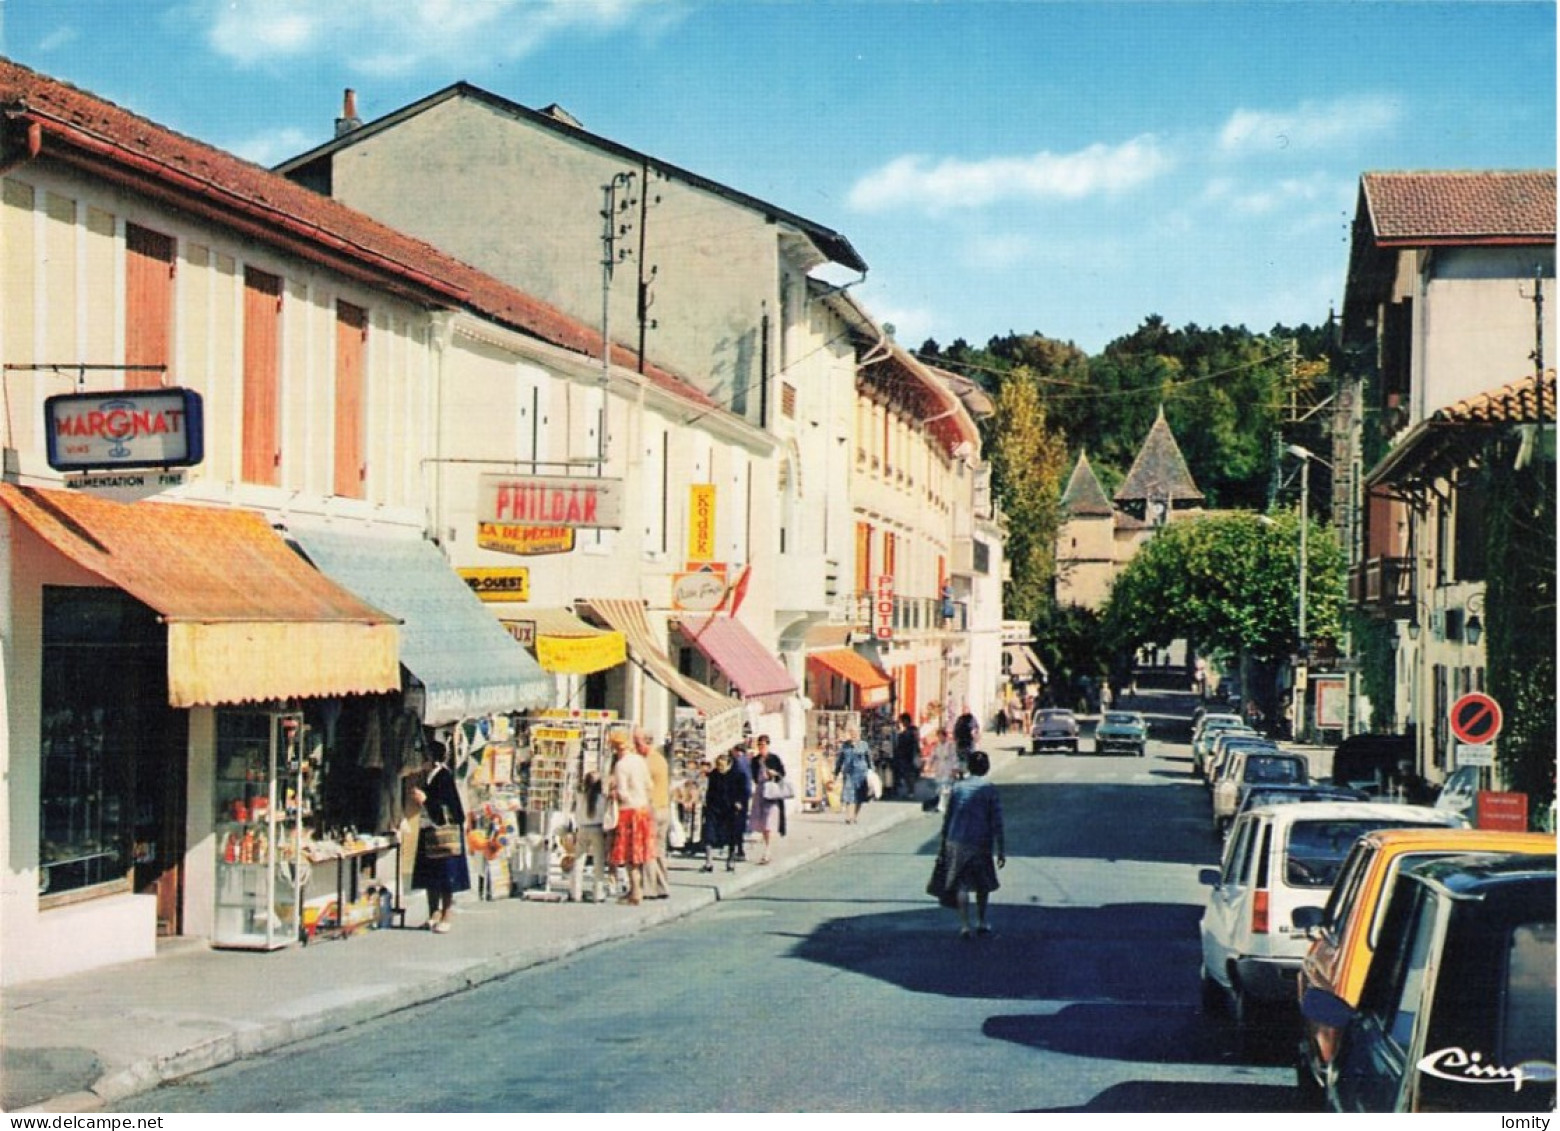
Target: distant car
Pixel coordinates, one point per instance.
(1121, 730)
(1252, 766)
(1054, 729)
(1343, 936)
(1209, 725)
(1226, 742)
(1457, 1012)
(1278, 859)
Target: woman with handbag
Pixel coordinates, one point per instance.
(852, 765)
(770, 789)
(590, 838)
(973, 847)
(440, 867)
(725, 802)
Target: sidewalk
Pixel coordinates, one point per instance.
(78, 1043)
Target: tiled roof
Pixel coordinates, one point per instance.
(1084, 495)
(86, 130)
(1525, 401)
(1160, 471)
(1407, 207)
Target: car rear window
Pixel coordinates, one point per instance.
(1317, 848)
(1266, 769)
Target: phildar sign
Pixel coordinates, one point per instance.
(547, 500)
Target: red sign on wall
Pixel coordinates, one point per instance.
(1507, 812)
(883, 607)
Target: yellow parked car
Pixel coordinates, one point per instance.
(1343, 934)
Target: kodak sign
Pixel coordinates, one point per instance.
(537, 500)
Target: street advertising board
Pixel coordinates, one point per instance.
(1332, 702)
(1507, 812)
(700, 591)
(701, 522)
(498, 583)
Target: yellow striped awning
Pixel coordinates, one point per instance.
(248, 619)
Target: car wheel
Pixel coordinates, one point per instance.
(1214, 1000)
(1244, 1012)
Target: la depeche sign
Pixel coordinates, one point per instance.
(124, 428)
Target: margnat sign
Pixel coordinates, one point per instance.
(535, 500)
(124, 428)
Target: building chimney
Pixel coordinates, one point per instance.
(349, 120)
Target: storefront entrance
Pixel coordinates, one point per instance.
(113, 755)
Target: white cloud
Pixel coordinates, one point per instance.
(1309, 126)
(1265, 198)
(273, 146)
(387, 37)
(952, 184)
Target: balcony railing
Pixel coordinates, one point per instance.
(1383, 587)
(912, 614)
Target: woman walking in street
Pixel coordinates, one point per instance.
(725, 803)
(767, 815)
(851, 765)
(972, 836)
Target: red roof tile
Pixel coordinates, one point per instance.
(1523, 401)
(1516, 206)
(87, 130)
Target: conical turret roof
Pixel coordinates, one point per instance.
(1084, 496)
(1159, 474)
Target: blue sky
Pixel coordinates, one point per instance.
(1002, 165)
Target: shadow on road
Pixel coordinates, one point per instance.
(1131, 953)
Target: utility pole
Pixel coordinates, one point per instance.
(613, 229)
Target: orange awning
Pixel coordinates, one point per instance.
(248, 619)
(853, 667)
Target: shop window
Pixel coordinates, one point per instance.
(111, 748)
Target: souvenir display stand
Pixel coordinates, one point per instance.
(260, 808)
(521, 795)
(356, 897)
(826, 730)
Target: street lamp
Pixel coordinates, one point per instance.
(1305, 458)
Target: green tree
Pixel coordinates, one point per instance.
(1229, 583)
(1028, 461)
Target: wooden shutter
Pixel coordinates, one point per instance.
(148, 305)
(262, 456)
(351, 406)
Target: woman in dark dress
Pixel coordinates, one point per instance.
(440, 877)
(725, 810)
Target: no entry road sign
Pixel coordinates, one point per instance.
(1476, 719)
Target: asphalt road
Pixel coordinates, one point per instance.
(841, 987)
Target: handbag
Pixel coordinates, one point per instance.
(609, 815)
(440, 842)
(676, 835)
(874, 784)
(937, 887)
(780, 790)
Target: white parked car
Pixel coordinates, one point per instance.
(1278, 859)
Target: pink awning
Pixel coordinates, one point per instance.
(750, 667)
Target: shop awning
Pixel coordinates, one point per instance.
(565, 643)
(247, 619)
(751, 668)
(468, 665)
(870, 682)
(1021, 663)
(722, 714)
